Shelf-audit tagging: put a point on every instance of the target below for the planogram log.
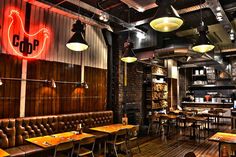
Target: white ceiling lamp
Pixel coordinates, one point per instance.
(167, 18)
(128, 53)
(203, 44)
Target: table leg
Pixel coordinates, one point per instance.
(219, 148)
(208, 125)
(105, 148)
(194, 134)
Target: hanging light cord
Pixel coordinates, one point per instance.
(129, 23)
(201, 12)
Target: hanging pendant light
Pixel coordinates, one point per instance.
(128, 53)
(77, 41)
(167, 19)
(203, 44)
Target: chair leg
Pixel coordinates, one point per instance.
(115, 150)
(149, 127)
(126, 149)
(138, 146)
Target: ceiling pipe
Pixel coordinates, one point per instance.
(65, 12)
(98, 12)
(216, 7)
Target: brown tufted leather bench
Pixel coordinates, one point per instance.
(7, 137)
(13, 132)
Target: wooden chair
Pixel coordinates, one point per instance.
(85, 147)
(118, 139)
(132, 135)
(67, 147)
(153, 120)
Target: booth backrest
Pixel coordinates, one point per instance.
(7, 133)
(100, 118)
(69, 122)
(28, 127)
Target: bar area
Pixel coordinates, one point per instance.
(105, 78)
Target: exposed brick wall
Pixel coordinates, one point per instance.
(131, 95)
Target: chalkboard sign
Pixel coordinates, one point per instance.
(211, 75)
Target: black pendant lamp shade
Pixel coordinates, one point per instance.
(167, 19)
(203, 44)
(128, 53)
(77, 41)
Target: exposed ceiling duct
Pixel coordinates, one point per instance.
(68, 13)
(98, 12)
(181, 11)
(217, 9)
(140, 5)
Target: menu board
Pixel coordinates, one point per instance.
(211, 75)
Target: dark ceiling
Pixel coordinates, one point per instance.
(119, 9)
(187, 32)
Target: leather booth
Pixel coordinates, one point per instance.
(13, 132)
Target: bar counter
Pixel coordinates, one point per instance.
(207, 104)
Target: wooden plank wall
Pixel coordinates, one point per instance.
(60, 32)
(41, 99)
(10, 90)
(58, 63)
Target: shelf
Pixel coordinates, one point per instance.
(159, 99)
(159, 82)
(201, 87)
(155, 74)
(159, 91)
(199, 75)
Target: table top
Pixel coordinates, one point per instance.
(3, 153)
(169, 116)
(112, 128)
(198, 118)
(223, 137)
(53, 140)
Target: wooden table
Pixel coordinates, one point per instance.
(53, 140)
(222, 137)
(3, 153)
(110, 129)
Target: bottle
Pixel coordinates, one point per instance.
(79, 128)
(125, 119)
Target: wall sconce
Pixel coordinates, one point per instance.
(1, 82)
(52, 83)
(82, 85)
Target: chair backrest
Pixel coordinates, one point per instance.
(190, 154)
(133, 131)
(67, 146)
(88, 142)
(121, 134)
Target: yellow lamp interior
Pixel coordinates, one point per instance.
(166, 24)
(77, 46)
(203, 48)
(129, 59)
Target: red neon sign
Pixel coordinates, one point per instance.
(21, 42)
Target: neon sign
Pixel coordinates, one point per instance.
(22, 43)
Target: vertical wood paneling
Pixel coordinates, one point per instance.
(61, 32)
(58, 63)
(10, 90)
(66, 98)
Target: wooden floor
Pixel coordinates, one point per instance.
(176, 145)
